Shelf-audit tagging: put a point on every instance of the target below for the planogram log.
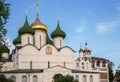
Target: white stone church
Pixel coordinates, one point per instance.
(37, 58)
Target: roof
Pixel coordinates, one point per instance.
(58, 32)
(81, 71)
(26, 28)
(17, 40)
(98, 58)
(24, 71)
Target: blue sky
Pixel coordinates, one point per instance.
(97, 21)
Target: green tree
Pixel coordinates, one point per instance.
(4, 15)
(111, 75)
(61, 78)
(4, 79)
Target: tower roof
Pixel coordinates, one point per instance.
(26, 28)
(38, 24)
(17, 40)
(58, 32)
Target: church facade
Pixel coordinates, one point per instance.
(37, 58)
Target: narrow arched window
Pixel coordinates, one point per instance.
(60, 43)
(35, 78)
(91, 78)
(40, 41)
(77, 78)
(28, 40)
(24, 78)
(98, 63)
(84, 78)
(93, 64)
(48, 64)
(13, 78)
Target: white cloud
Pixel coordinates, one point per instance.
(78, 30)
(106, 26)
(81, 27)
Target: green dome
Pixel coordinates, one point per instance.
(26, 28)
(4, 49)
(48, 40)
(58, 32)
(17, 40)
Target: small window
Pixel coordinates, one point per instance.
(60, 43)
(98, 63)
(35, 78)
(30, 64)
(93, 64)
(64, 64)
(24, 78)
(48, 64)
(28, 40)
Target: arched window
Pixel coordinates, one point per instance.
(104, 64)
(77, 64)
(24, 78)
(84, 78)
(82, 65)
(77, 78)
(98, 63)
(13, 78)
(35, 78)
(91, 78)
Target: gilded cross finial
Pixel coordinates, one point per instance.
(37, 6)
(58, 17)
(26, 11)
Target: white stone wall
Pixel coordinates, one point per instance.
(58, 42)
(24, 39)
(40, 38)
(40, 59)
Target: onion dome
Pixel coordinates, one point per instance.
(4, 49)
(38, 25)
(17, 40)
(58, 32)
(26, 28)
(48, 40)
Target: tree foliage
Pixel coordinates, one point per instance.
(61, 78)
(111, 75)
(4, 79)
(4, 15)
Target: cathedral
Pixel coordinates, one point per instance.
(37, 58)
